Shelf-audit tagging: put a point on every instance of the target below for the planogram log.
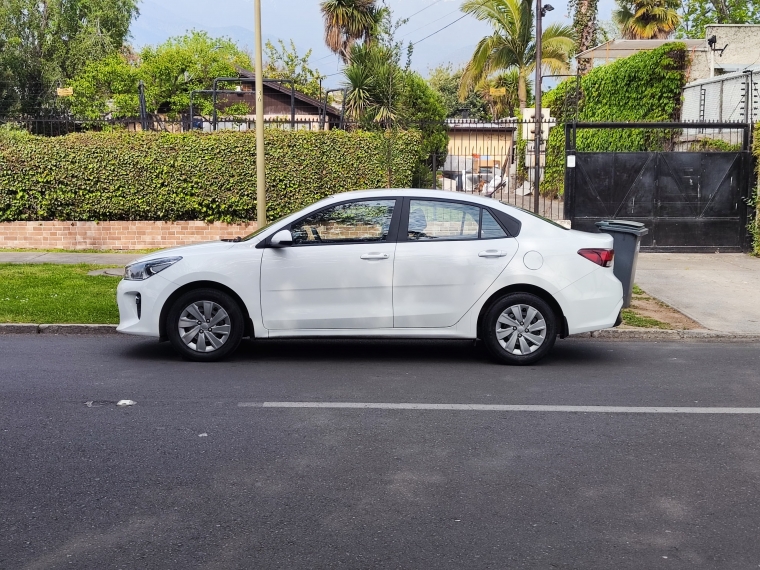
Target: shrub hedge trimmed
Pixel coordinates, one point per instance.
(191, 176)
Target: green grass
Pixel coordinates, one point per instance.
(47, 293)
(632, 319)
(32, 250)
(638, 290)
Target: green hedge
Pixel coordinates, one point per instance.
(645, 87)
(754, 201)
(192, 176)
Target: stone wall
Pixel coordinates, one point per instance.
(114, 235)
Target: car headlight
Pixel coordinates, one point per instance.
(144, 269)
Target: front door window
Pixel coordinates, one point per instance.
(353, 222)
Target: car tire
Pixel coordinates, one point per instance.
(205, 325)
(512, 340)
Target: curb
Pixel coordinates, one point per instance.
(669, 335)
(28, 328)
(607, 334)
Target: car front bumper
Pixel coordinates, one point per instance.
(140, 304)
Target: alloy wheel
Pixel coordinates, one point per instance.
(204, 326)
(521, 329)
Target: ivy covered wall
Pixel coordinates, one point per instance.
(192, 176)
(645, 87)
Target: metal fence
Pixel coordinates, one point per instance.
(723, 98)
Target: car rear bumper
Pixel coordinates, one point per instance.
(593, 302)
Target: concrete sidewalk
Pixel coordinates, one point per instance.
(721, 291)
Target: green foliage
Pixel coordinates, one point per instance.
(445, 81)
(697, 14)
(585, 28)
(47, 293)
(645, 87)
(44, 43)
(512, 44)
(647, 19)
(633, 319)
(192, 176)
(170, 72)
(716, 145)
(754, 201)
(285, 63)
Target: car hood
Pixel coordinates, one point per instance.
(203, 247)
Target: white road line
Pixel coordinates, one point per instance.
(503, 408)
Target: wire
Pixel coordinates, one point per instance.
(430, 22)
(425, 8)
(440, 30)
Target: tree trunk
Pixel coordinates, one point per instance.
(584, 23)
(522, 90)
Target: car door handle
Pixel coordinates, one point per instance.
(492, 253)
(372, 256)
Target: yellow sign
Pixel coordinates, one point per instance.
(65, 91)
(498, 91)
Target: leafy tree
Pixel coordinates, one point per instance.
(647, 19)
(349, 21)
(696, 14)
(512, 44)
(507, 105)
(285, 63)
(170, 72)
(445, 81)
(46, 42)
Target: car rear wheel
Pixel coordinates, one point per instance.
(519, 328)
(205, 325)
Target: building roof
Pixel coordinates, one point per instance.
(474, 125)
(614, 49)
(282, 88)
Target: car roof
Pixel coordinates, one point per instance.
(417, 193)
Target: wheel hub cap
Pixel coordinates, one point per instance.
(204, 326)
(521, 329)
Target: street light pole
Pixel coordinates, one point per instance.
(537, 116)
(261, 183)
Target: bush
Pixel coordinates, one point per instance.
(192, 176)
(645, 87)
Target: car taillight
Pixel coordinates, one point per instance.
(601, 257)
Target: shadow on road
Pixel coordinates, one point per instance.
(371, 351)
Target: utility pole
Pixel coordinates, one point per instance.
(540, 13)
(261, 175)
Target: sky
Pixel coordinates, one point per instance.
(301, 21)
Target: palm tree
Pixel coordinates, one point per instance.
(512, 44)
(347, 21)
(647, 19)
(502, 105)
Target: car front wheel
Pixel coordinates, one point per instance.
(519, 328)
(205, 325)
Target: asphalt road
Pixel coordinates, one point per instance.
(187, 478)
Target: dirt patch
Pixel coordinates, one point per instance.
(646, 311)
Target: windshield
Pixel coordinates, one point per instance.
(547, 220)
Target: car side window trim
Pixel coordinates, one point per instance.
(392, 228)
(403, 228)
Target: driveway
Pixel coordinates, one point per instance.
(721, 291)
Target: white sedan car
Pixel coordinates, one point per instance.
(381, 263)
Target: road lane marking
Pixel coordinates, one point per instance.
(504, 408)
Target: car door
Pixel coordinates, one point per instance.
(448, 254)
(338, 274)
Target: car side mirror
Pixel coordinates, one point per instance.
(283, 238)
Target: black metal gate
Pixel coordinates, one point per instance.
(690, 201)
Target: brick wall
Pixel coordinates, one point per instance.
(114, 235)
